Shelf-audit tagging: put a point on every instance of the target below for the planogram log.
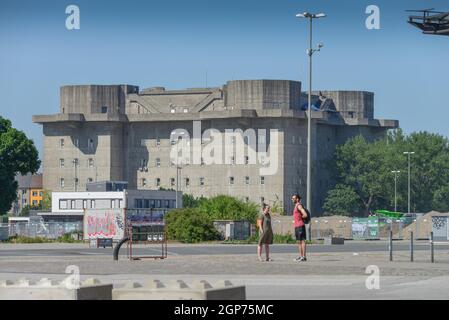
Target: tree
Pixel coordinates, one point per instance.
(429, 168)
(361, 166)
(365, 167)
(342, 200)
(17, 155)
(441, 199)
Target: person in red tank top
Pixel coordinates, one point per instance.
(300, 227)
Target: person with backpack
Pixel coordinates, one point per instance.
(301, 218)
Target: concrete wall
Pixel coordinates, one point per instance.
(216, 176)
(263, 94)
(88, 99)
(353, 104)
(107, 154)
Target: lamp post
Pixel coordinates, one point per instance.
(310, 52)
(409, 153)
(396, 173)
(75, 165)
(178, 167)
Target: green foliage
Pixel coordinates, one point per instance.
(190, 225)
(194, 223)
(277, 207)
(441, 199)
(17, 155)
(342, 200)
(189, 201)
(24, 239)
(46, 200)
(66, 238)
(25, 212)
(284, 239)
(224, 207)
(365, 168)
(277, 239)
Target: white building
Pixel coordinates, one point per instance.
(74, 203)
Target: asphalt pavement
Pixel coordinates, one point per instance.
(55, 249)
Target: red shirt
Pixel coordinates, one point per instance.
(297, 215)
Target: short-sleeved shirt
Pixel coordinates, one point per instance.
(297, 215)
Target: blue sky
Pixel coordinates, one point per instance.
(175, 43)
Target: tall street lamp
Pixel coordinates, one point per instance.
(310, 52)
(409, 153)
(178, 167)
(396, 173)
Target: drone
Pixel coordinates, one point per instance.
(431, 22)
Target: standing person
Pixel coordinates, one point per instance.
(266, 233)
(299, 214)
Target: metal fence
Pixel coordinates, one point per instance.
(49, 230)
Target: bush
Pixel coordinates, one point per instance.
(284, 239)
(190, 225)
(229, 208)
(24, 239)
(68, 238)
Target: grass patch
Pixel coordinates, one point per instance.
(277, 239)
(66, 238)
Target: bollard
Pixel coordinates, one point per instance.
(391, 245)
(411, 246)
(432, 258)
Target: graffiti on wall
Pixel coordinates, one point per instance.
(104, 224)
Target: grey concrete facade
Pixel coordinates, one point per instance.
(121, 133)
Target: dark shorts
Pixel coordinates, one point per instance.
(300, 233)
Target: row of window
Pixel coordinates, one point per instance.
(76, 143)
(154, 203)
(35, 193)
(90, 141)
(205, 140)
(80, 204)
(75, 182)
(143, 164)
(231, 180)
(76, 162)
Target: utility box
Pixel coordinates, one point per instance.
(334, 240)
(4, 232)
(440, 228)
(233, 230)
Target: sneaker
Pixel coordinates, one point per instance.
(260, 259)
(301, 259)
(269, 259)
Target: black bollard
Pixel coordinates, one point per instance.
(391, 245)
(432, 257)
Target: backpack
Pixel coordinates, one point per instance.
(306, 220)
